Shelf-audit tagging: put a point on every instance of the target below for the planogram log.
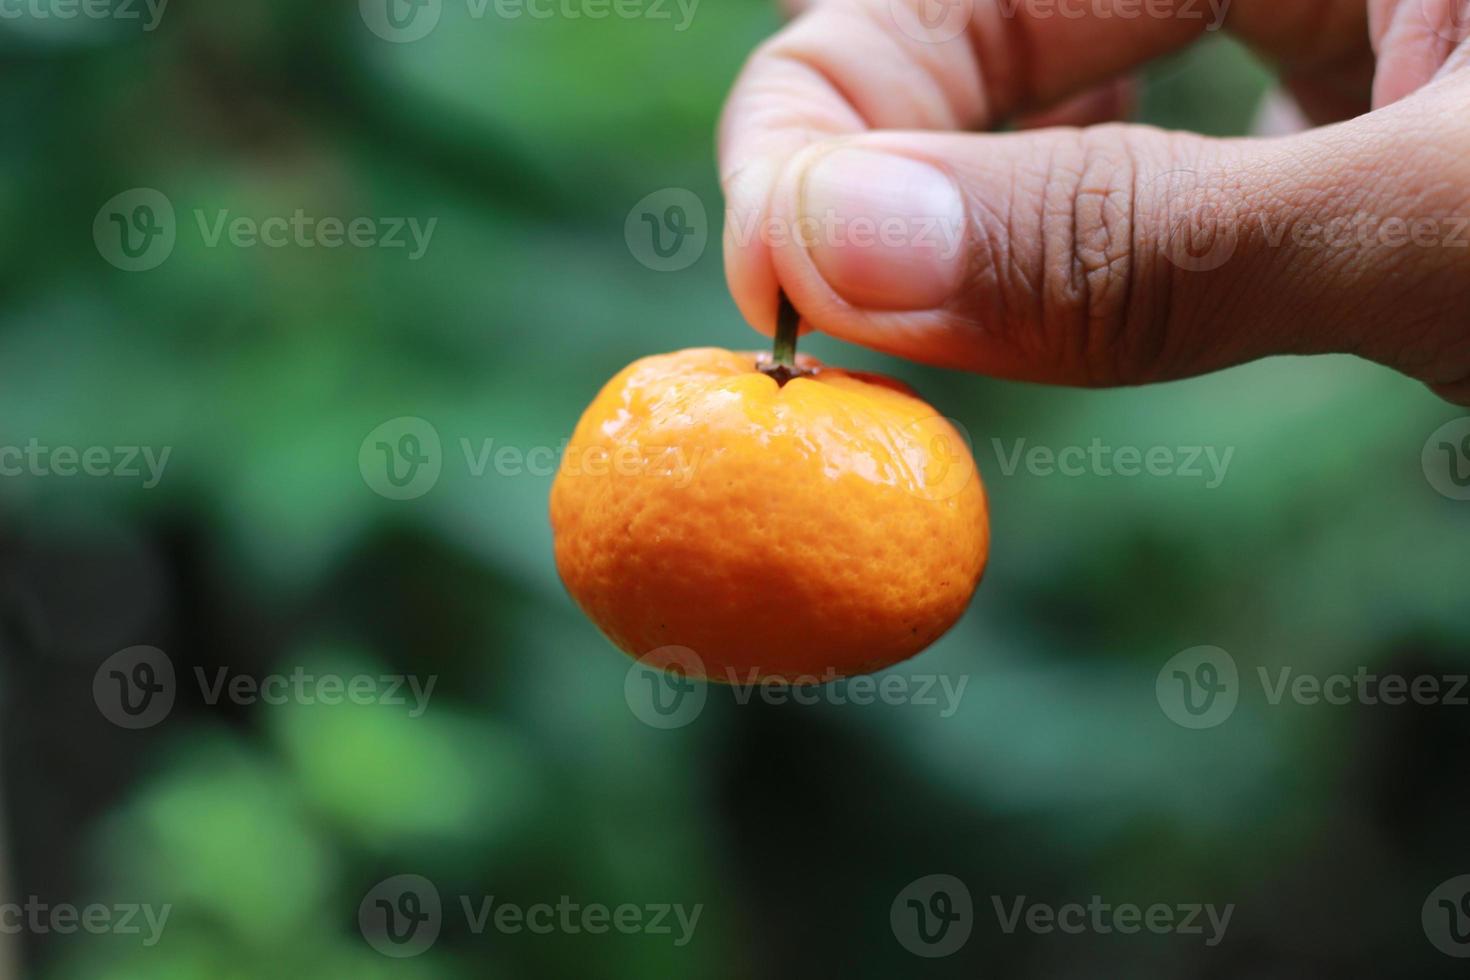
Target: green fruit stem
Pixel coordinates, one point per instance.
(783, 352)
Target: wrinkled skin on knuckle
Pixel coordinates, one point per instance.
(1103, 268)
(1054, 263)
(1089, 261)
(994, 276)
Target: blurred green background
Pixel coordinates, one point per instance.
(264, 548)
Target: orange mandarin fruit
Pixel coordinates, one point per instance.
(831, 525)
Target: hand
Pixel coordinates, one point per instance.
(1113, 254)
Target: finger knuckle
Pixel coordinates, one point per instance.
(1092, 266)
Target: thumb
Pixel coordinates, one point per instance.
(1124, 254)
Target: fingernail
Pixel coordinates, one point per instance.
(885, 231)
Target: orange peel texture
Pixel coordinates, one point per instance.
(830, 526)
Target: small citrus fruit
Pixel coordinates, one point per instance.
(828, 526)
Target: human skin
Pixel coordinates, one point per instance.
(1094, 253)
